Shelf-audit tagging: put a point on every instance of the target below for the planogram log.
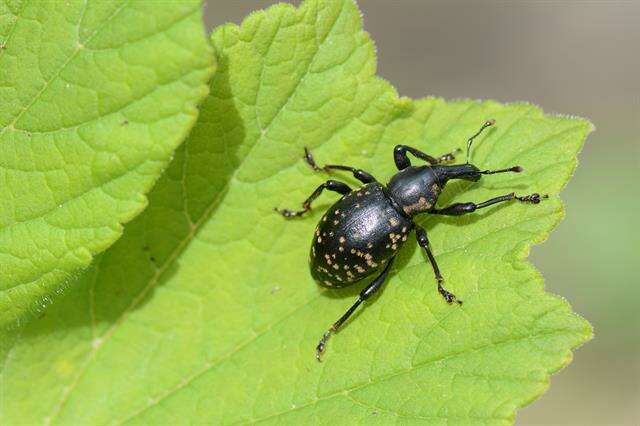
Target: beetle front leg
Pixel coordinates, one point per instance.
(361, 175)
(458, 209)
(331, 185)
(366, 293)
(423, 241)
(402, 161)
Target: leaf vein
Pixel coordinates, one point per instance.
(61, 68)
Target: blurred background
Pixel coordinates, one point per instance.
(569, 57)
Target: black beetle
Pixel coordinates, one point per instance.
(362, 232)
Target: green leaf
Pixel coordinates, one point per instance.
(205, 312)
(94, 98)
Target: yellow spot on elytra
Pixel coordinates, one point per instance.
(421, 205)
(342, 239)
(394, 237)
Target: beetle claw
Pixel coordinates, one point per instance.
(448, 296)
(291, 213)
(308, 157)
(322, 345)
(534, 198)
(449, 157)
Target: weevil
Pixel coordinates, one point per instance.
(361, 234)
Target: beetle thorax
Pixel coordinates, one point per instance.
(415, 189)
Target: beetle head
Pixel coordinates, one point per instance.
(469, 171)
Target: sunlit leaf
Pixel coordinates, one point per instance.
(94, 98)
(205, 312)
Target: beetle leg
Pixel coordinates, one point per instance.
(331, 185)
(359, 174)
(458, 209)
(449, 157)
(366, 293)
(402, 161)
(423, 241)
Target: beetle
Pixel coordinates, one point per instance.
(362, 232)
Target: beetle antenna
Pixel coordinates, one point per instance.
(486, 124)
